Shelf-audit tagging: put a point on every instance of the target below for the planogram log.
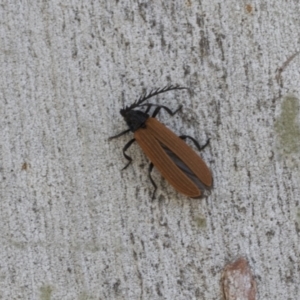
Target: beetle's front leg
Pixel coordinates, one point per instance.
(125, 155)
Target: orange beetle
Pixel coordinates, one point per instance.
(179, 164)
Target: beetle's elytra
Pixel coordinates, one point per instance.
(178, 163)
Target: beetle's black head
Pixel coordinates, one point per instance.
(135, 119)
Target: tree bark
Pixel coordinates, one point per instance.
(73, 225)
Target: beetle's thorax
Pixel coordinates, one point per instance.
(135, 119)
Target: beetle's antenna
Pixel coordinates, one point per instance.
(153, 93)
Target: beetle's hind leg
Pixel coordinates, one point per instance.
(183, 137)
(151, 179)
(125, 155)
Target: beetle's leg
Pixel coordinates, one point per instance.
(159, 107)
(118, 135)
(148, 107)
(168, 110)
(125, 155)
(183, 137)
(151, 179)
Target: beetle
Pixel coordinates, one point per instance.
(178, 163)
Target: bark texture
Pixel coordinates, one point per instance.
(73, 226)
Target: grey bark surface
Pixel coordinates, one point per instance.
(73, 226)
